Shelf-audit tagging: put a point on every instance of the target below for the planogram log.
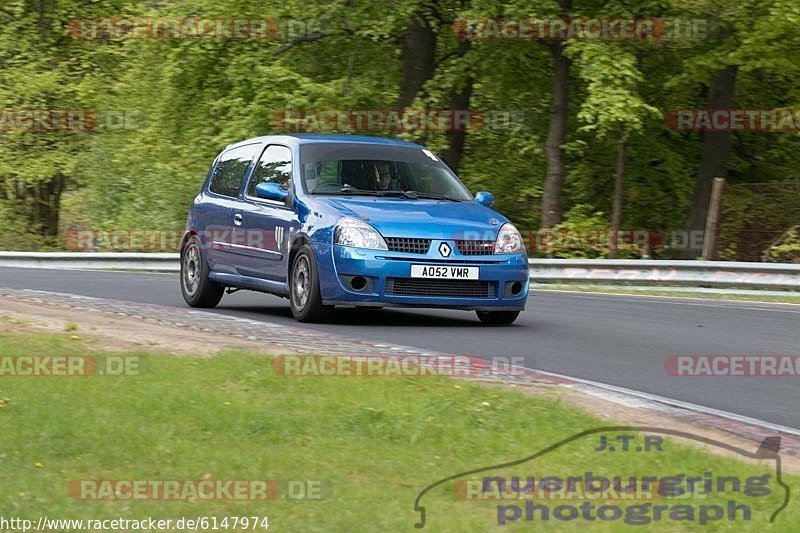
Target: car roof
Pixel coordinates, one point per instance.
(319, 138)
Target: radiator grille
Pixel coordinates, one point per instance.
(449, 288)
(475, 247)
(408, 245)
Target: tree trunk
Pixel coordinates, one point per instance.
(419, 56)
(556, 136)
(616, 209)
(55, 188)
(715, 152)
(459, 101)
(457, 138)
(42, 202)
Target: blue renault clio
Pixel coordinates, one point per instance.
(327, 220)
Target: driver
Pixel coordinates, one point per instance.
(383, 175)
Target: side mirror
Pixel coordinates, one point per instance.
(271, 191)
(484, 198)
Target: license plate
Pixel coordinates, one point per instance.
(444, 272)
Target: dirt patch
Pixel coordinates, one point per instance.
(110, 332)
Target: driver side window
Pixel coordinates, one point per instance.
(275, 166)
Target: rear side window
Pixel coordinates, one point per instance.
(275, 166)
(228, 177)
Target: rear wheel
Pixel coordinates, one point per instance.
(304, 294)
(498, 318)
(196, 288)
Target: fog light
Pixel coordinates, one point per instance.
(358, 283)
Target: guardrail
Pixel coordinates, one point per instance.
(153, 262)
(606, 271)
(677, 273)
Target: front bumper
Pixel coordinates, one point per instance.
(338, 265)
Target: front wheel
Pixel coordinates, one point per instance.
(497, 318)
(304, 294)
(196, 288)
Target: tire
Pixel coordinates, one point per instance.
(304, 294)
(497, 318)
(196, 288)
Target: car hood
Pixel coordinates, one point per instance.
(433, 219)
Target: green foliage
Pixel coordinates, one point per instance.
(786, 249)
(754, 217)
(584, 234)
(612, 104)
(184, 101)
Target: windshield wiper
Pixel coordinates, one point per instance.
(413, 195)
(429, 196)
(408, 194)
(349, 189)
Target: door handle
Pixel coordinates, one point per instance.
(237, 219)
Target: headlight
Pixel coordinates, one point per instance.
(358, 234)
(509, 240)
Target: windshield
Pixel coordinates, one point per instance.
(380, 171)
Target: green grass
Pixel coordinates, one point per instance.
(374, 443)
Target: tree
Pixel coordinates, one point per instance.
(557, 134)
(45, 80)
(612, 106)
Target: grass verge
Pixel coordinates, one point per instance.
(368, 444)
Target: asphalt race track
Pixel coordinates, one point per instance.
(618, 340)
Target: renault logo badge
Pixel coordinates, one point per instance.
(445, 250)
